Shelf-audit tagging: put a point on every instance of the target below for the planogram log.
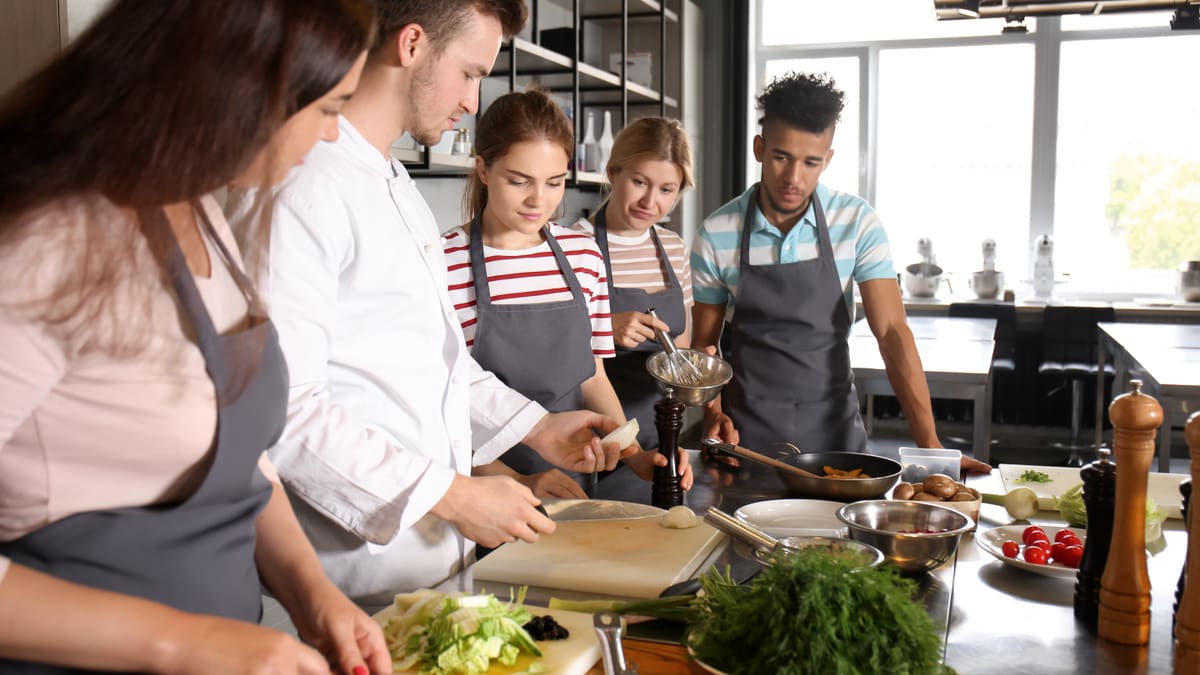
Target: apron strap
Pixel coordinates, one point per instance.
(600, 227)
(747, 223)
(165, 245)
(483, 295)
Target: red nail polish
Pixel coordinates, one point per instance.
(360, 670)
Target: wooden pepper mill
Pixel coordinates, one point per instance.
(1125, 586)
(1187, 622)
(665, 490)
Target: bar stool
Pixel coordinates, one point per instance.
(1070, 345)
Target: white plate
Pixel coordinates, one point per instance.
(991, 541)
(794, 517)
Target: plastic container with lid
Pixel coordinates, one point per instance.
(917, 463)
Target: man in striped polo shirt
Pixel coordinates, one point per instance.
(785, 284)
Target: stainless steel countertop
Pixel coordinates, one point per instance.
(996, 618)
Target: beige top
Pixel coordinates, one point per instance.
(80, 429)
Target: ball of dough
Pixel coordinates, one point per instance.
(680, 518)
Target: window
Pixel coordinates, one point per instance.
(949, 146)
(1128, 177)
(843, 170)
(954, 161)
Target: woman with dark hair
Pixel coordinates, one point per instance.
(532, 296)
(140, 380)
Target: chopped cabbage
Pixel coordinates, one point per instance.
(445, 634)
(1072, 510)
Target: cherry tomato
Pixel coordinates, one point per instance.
(1066, 537)
(1035, 555)
(1010, 549)
(1071, 556)
(1056, 549)
(1042, 544)
(1031, 531)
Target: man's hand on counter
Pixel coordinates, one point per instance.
(972, 465)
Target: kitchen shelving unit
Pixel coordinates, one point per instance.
(598, 29)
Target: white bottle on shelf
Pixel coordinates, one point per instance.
(589, 143)
(604, 145)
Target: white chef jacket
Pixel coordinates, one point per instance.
(385, 401)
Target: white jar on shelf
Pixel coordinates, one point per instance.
(605, 143)
(589, 143)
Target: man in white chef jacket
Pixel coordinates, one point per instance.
(387, 411)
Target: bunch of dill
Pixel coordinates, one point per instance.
(813, 612)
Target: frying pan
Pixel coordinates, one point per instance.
(792, 470)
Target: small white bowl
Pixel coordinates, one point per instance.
(795, 517)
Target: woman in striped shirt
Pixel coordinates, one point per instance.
(532, 296)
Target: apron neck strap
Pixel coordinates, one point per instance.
(483, 295)
(601, 229)
(824, 241)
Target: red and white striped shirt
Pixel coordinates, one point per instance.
(531, 276)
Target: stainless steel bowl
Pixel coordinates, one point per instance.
(868, 555)
(914, 536)
(987, 284)
(921, 280)
(715, 370)
(1188, 281)
(883, 472)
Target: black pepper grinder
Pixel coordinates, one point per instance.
(666, 491)
(1185, 491)
(1099, 498)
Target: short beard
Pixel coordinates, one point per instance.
(423, 82)
(782, 211)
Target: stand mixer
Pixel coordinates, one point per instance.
(922, 279)
(1043, 267)
(987, 283)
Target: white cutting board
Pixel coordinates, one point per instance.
(1163, 488)
(615, 557)
(574, 656)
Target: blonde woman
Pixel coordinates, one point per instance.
(646, 264)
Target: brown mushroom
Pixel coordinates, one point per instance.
(903, 491)
(940, 485)
(926, 497)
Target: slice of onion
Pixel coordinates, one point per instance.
(623, 436)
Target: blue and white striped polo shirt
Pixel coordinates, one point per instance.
(860, 246)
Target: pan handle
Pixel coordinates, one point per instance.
(714, 445)
(739, 530)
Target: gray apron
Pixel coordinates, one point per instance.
(542, 350)
(196, 555)
(627, 370)
(791, 360)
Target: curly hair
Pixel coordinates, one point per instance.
(805, 101)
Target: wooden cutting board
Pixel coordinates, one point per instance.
(626, 557)
(574, 656)
(1163, 488)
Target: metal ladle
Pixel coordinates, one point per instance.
(715, 446)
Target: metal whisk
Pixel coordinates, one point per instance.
(679, 367)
